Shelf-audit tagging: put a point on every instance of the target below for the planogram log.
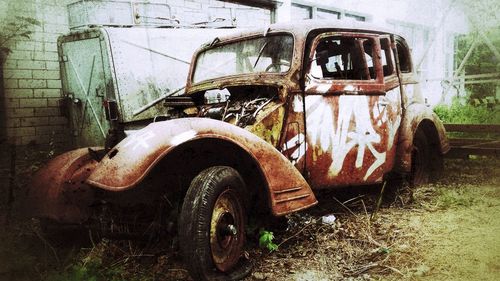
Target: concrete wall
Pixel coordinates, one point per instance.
(29, 111)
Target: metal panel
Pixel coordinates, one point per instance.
(118, 13)
(133, 66)
(85, 83)
(149, 62)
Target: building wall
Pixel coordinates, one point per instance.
(420, 22)
(32, 87)
(29, 105)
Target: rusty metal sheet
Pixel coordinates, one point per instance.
(58, 192)
(131, 160)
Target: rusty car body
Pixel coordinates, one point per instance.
(268, 116)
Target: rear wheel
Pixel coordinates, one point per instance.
(212, 225)
(420, 160)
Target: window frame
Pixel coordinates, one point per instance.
(336, 86)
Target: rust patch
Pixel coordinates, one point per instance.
(58, 190)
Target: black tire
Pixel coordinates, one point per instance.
(421, 165)
(212, 226)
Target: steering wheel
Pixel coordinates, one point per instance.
(277, 66)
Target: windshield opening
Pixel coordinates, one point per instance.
(265, 54)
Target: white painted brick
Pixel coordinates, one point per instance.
(19, 74)
(47, 111)
(34, 121)
(25, 45)
(55, 28)
(52, 65)
(32, 83)
(53, 102)
(11, 103)
(33, 103)
(21, 112)
(19, 93)
(51, 129)
(10, 64)
(47, 93)
(45, 37)
(25, 140)
(12, 122)
(30, 64)
(21, 55)
(10, 83)
(22, 131)
(46, 56)
(59, 120)
(61, 18)
(46, 74)
(50, 46)
(54, 84)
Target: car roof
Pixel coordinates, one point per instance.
(302, 28)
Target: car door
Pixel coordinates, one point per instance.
(351, 117)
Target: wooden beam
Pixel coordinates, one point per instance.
(472, 128)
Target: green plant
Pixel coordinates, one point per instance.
(461, 196)
(20, 27)
(266, 240)
(467, 114)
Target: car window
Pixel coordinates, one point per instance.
(386, 57)
(272, 54)
(344, 58)
(403, 57)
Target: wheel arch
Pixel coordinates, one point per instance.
(419, 117)
(206, 152)
(173, 143)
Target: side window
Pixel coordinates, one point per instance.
(403, 57)
(344, 58)
(386, 57)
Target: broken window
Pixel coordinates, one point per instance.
(403, 57)
(344, 58)
(272, 54)
(386, 57)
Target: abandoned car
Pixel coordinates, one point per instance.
(267, 117)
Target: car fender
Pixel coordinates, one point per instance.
(418, 115)
(57, 190)
(133, 158)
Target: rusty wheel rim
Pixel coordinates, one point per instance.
(227, 230)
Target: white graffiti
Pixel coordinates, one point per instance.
(394, 98)
(139, 139)
(298, 146)
(352, 109)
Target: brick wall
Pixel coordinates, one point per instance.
(29, 109)
(31, 75)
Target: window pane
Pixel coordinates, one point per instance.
(264, 54)
(344, 58)
(326, 14)
(301, 12)
(386, 59)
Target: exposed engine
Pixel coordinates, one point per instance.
(239, 106)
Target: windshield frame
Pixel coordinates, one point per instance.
(246, 74)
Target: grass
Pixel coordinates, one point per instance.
(468, 114)
(354, 246)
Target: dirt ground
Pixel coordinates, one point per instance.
(445, 231)
(449, 231)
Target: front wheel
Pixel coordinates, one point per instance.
(212, 225)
